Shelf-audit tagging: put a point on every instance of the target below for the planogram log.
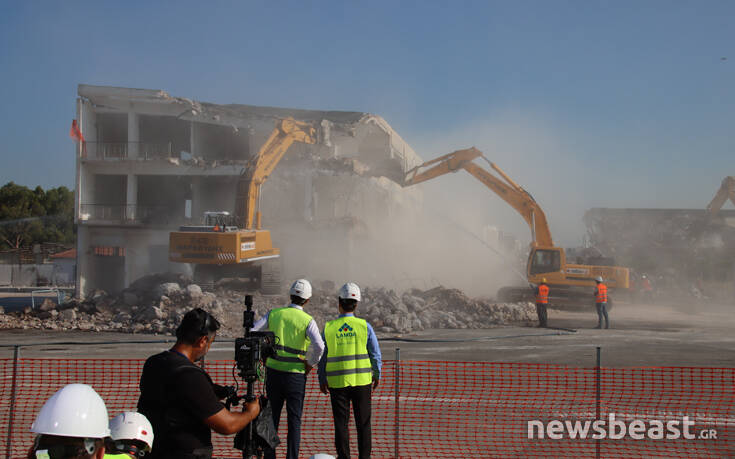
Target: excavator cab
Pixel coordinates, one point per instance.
(542, 261)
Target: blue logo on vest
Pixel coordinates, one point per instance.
(345, 331)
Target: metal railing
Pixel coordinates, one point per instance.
(34, 295)
(116, 151)
(124, 214)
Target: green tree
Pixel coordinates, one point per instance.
(34, 216)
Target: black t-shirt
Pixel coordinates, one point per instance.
(177, 396)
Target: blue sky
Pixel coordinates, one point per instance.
(585, 103)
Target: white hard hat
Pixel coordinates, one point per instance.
(350, 291)
(301, 288)
(130, 425)
(322, 456)
(598, 278)
(75, 410)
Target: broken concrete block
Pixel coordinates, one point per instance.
(68, 315)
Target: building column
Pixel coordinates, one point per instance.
(129, 265)
(84, 262)
(193, 138)
(133, 135)
(131, 200)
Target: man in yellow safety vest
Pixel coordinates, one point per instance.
(350, 371)
(299, 346)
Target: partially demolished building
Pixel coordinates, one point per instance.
(151, 162)
(683, 249)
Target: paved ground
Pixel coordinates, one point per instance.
(642, 335)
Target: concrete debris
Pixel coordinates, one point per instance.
(684, 253)
(47, 305)
(161, 304)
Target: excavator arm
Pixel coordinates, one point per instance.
(505, 187)
(727, 190)
(286, 132)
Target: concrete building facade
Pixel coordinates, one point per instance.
(152, 162)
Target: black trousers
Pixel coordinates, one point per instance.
(361, 398)
(290, 388)
(542, 315)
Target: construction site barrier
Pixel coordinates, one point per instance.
(435, 409)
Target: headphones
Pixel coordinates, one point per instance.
(207, 324)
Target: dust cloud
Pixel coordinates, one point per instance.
(400, 244)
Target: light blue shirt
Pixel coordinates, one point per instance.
(373, 348)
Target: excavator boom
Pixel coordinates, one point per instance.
(505, 187)
(262, 165)
(547, 263)
(727, 190)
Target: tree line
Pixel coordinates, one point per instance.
(34, 216)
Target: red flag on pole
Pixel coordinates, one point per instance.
(76, 134)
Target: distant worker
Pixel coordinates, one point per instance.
(299, 348)
(350, 372)
(601, 302)
(542, 300)
(179, 398)
(646, 288)
(131, 436)
(72, 424)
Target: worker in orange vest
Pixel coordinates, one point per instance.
(601, 302)
(542, 299)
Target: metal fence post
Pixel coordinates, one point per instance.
(16, 359)
(397, 401)
(597, 399)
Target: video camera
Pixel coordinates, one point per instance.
(251, 352)
(254, 348)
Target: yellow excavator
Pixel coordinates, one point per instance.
(725, 192)
(235, 246)
(569, 283)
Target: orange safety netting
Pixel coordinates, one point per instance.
(442, 409)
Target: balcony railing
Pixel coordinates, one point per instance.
(115, 151)
(123, 214)
(112, 150)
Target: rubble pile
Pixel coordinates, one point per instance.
(156, 304)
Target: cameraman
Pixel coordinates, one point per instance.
(180, 399)
(296, 333)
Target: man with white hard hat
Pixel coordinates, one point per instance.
(299, 346)
(601, 299)
(72, 424)
(350, 372)
(131, 436)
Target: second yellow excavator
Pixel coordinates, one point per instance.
(725, 192)
(235, 245)
(569, 283)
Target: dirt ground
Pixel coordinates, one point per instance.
(641, 335)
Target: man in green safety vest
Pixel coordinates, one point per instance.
(299, 347)
(350, 371)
